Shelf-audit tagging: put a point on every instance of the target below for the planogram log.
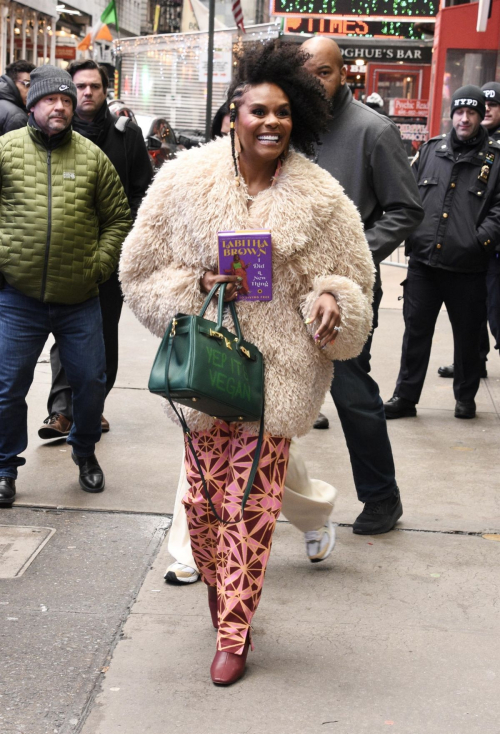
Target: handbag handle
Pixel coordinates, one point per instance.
(189, 441)
(220, 309)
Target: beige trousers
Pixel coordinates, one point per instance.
(307, 504)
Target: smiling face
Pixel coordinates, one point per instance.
(466, 122)
(264, 122)
(53, 113)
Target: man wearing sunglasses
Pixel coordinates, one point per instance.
(14, 87)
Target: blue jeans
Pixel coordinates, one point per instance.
(361, 411)
(25, 324)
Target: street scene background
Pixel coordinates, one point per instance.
(398, 632)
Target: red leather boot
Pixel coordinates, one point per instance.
(227, 667)
(212, 604)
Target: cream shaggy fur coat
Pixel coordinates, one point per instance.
(318, 246)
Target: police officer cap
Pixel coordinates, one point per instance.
(491, 91)
(468, 96)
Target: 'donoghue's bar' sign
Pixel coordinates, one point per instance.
(352, 9)
(352, 28)
(390, 54)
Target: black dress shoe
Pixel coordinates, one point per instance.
(321, 422)
(379, 517)
(465, 409)
(91, 474)
(448, 371)
(7, 491)
(398, 407)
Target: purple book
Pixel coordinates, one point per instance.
(248, 255)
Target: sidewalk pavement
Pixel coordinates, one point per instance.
(398, 632)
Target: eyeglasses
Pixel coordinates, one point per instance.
(26, 84)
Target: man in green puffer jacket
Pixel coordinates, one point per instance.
(63, 218)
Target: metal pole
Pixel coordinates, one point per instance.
(35, 39)
(23, 33)
(4, 11)
(53, 24)
(210, 68)
(12, 56)
(45, 36)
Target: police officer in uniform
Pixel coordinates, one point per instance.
(458, 175)
(491, 122)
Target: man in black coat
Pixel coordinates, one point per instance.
(458, 176)
(14, 86)
(364, 152)
(491, 122)
(123, 143)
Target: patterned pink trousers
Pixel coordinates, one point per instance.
(234, 557)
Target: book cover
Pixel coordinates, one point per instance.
(248, 255)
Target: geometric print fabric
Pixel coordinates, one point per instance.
(234, 558)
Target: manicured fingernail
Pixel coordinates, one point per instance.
(316, 337)
(307, 321)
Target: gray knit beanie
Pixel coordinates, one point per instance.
(47, 80)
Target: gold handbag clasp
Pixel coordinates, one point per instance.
(174, 324)
(216, 334)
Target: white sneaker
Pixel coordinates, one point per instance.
(320, 543)
(177, 573)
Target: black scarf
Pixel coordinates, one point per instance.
(462, 147)
(97, 129)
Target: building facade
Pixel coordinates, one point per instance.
(49, 31)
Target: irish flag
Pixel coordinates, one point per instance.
(100, 30)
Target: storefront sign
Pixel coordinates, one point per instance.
(351, 28)
(413, 131)
(409, 54)
(408, 107)
(376, 9)
(222, 66)
(68, 53)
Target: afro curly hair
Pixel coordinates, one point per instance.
(282, 64)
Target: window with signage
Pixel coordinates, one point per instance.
(464, 67)
(394, 85)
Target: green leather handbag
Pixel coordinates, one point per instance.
(202, 365)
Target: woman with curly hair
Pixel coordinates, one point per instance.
(258, 179)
